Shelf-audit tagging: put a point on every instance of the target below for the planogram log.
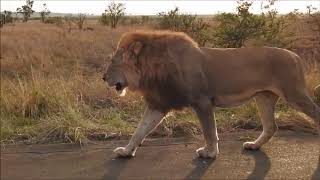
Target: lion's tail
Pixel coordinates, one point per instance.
(316, 94)
(317, 98)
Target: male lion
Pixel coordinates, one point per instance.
(172, 72)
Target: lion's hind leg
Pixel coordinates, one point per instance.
(266, 102)
(300, 100)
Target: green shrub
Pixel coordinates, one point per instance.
(104, 19)
(270, 28)
(190, 24)
(275, 31)
(134, 20)
(234, 30)
(313, 19)
(2, 20)
(6, 18)
(54, 20)
(145, 19)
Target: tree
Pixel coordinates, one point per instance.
(26, 10)
(113, 13)
(80, 20)
(45, 12)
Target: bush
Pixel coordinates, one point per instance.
(69, 20)
(145, 19)
(80, 20)
(2, 20)
(235, 29)
(104, 19)
(276, 31)
(190, 24)
(130, 20)
(54, 20)
(313, 19)
(134, 20)
(269, 28)
(6, 18)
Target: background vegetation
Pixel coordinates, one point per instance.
(51, 69)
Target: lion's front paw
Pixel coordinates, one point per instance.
(250, 146)
(204, 152)
(124, 152)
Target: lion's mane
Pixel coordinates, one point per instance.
(161, 80)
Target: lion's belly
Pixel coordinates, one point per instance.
(232, 100)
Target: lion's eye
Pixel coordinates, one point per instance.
(109, 58)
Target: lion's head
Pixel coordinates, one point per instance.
(147, 62)
(122, 72)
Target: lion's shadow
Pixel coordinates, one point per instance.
(262, 164)
(202, 166)
(316, 174)
(116, 166)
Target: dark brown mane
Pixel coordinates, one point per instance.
(164, 94)
(161, 79)
(155, 37)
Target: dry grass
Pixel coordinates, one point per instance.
(51, 89)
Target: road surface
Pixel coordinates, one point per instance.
(288, 156)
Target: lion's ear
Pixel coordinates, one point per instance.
(136, 47)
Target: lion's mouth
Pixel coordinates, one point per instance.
(120, 88)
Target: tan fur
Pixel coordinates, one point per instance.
(172, 72)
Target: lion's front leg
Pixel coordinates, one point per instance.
(205, 114)
(151, 119)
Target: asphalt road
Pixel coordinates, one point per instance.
(287, 156)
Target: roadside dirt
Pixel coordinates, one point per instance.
(289, 155)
